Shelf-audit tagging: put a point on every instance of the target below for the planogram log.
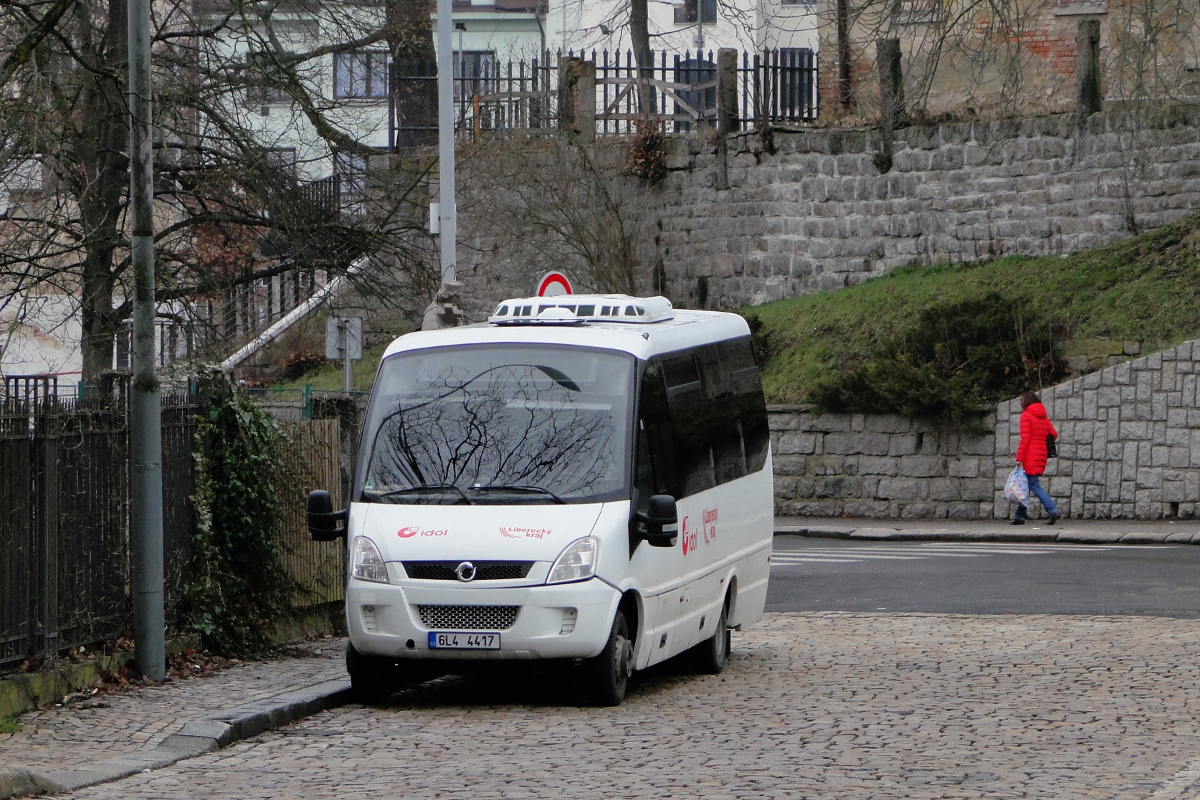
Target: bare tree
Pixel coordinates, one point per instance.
(231, 208)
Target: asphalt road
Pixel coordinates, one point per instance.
(984, 578)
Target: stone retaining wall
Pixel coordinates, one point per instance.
(1129, 448)
(1129, 440)
(817, 214)
(878, 466)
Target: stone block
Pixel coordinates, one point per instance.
(923, 511)
(977, 445)
(1149, 478)
(922, 466)
(832, 423)
(1159, 456)
(964, 467)
(873, 465)
(785, 488)
(902, 445)
(962, 511)
(867, 509)
(897, 489)
(944, 489)
(789, 465)
(839, 487)
(797, 443)
(1174, 492)
(819, 466)
(978, 489)
(841, 444)
(887, 423)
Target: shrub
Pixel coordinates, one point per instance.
(239, 589)
(953, 363)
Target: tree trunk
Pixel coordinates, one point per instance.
(95, 165)
(410, 38)
(639, 32)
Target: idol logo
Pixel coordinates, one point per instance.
(688, 537)
(408, 533)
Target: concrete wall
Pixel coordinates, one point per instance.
(1129, 448)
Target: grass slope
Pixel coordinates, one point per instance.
(1143, 289)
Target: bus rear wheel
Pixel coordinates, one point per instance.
(709, 657)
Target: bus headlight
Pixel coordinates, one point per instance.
(577, 562)
(366, 563)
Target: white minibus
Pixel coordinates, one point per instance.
(584, 478)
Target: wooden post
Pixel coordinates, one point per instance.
(727, 110)
(568, 92)
(1087, 69)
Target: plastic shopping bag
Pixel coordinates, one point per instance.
(1016, 488)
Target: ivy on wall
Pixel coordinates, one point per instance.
(239, 589)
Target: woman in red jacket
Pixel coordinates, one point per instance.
(1031, 454)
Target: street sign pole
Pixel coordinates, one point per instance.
(145, 423)
(445, 69)
(345, 326)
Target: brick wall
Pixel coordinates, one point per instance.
(1129, 448)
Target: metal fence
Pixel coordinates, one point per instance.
(676, 90)
(64, 516)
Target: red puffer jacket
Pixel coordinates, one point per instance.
(1035, 427)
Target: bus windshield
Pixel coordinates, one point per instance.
(498, 424)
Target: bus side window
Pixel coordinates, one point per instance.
(643, 476)
(655, 429)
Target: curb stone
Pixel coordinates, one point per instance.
(1066, 535)
(212, 732)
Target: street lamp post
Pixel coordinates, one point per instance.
(145, 420)
(447, 210)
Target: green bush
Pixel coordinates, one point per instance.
(954, 362)
(239, 589)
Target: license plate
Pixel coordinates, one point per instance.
(463, 641)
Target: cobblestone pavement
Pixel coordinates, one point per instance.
(829, 705)
(141, 718)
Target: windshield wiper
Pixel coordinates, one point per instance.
(426, 488)
(505, 487)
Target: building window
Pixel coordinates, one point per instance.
(264, 81)
(685, 13)
(473, 71)
(361, 76)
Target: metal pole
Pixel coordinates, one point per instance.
(446, 137)
(145, 423)
(345, 326)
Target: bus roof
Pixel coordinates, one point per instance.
(685, 328)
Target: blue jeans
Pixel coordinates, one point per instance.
(1035, 489)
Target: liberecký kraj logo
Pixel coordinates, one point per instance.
(410, 532)
(525, 533)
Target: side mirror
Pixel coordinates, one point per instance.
(323, 520)
(660, 521)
